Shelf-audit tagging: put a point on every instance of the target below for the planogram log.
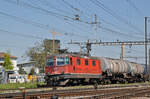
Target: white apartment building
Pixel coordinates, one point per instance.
(13, 60)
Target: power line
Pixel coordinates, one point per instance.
(39, 25)
(21, 35)
(76, 9)
(78, 29)
(33, 23)
(114, 31)
(53, 13)
(24, 4)
(71, 6)
(44, 10)
(118, 26)
(11, 46)
(115, 15)
(134, 6)
(72, 20)
(135, 51)
(112, 24)
(120, 33)
(46, 3)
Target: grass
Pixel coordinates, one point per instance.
(18, 85)
(34, 85)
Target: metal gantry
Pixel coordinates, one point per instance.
(117, 43)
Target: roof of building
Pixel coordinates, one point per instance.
(26, 63)
(2, 54)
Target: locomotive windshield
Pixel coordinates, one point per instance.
(60, 61)
(50, 62)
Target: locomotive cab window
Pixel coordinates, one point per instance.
(71, 61)
(67, 60)
(86, 62)
(50, 62)
(93, 63)
(60, 61)
(78, 62)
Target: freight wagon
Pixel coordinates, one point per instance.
(115, 70)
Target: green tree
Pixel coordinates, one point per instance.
(39, 52)
(38, 55)
(21, 70)
(32, 72)
(7, 62)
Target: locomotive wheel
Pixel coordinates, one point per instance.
(107, 81)
(95, 84)
(49, 83)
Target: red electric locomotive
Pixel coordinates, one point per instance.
(71, 69)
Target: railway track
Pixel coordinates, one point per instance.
(73, 87)
(85, 93)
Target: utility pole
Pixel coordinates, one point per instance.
(122, 51)
(95, 29)
(95, 33)
(88, 47)
(149, 67)
(146, 43)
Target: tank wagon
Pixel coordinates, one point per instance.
(115, 70)
(73, 69)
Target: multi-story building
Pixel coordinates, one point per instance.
(13, 60)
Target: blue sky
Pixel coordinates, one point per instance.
(25, 22)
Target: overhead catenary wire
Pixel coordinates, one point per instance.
(115, 15)
(71, 6)
(136, 8)
(12, 46)
(105, 22)
(120, 33)
(72, 34)
(102, 20)
(39, 25)
(134, 50)
(77, 9)
(21, 35)
(48, 4)
(53, 13)
(21, 3)
(34, 23)
(25, 4)
(108, 29)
